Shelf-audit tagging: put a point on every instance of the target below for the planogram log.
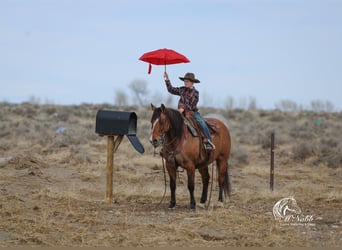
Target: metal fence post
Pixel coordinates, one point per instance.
(272, 162)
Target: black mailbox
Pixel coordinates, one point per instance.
(110, 122)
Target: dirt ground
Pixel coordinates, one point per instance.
(53, 185)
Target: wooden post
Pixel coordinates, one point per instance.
(112, 146)
(110, 159)
(272, 163)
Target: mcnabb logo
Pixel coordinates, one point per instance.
(287, 212)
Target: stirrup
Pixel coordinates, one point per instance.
(209, 145)
(212, 144)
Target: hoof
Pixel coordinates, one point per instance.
(172, 205)
(201, 205)
(220, 204)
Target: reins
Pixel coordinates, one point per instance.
(168, 154)
(164, 172)
(163, 164)
(165, 183)
(160, 202)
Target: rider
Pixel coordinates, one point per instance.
(187, 104)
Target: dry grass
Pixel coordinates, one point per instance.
(52, 185)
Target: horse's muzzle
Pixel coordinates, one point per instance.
(156, 142)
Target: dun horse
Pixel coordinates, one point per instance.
(180, 148)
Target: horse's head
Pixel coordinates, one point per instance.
(160, 125)
(165, 121)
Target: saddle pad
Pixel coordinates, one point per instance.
(191, 128)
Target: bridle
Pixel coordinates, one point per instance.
(161, 141)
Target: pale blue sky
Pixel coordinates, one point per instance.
(76, 51)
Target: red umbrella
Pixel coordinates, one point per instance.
(163, 57)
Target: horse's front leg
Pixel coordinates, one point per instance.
(172, 173)
(205, 182)
(191, 186)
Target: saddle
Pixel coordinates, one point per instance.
(196, 130)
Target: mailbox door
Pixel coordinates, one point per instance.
(136, 143)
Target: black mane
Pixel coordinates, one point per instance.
(176, 120)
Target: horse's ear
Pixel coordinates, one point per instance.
(153, 107)
(162, 108)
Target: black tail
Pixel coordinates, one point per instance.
(227, 187)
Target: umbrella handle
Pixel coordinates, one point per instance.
(165, 67)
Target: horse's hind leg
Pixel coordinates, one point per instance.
(222, 181)
(205, 182)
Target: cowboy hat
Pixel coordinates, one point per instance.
(190, 77)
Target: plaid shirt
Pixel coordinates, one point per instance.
(188, 96)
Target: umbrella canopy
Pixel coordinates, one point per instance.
(163, 57)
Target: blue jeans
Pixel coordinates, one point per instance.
(199, 119)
